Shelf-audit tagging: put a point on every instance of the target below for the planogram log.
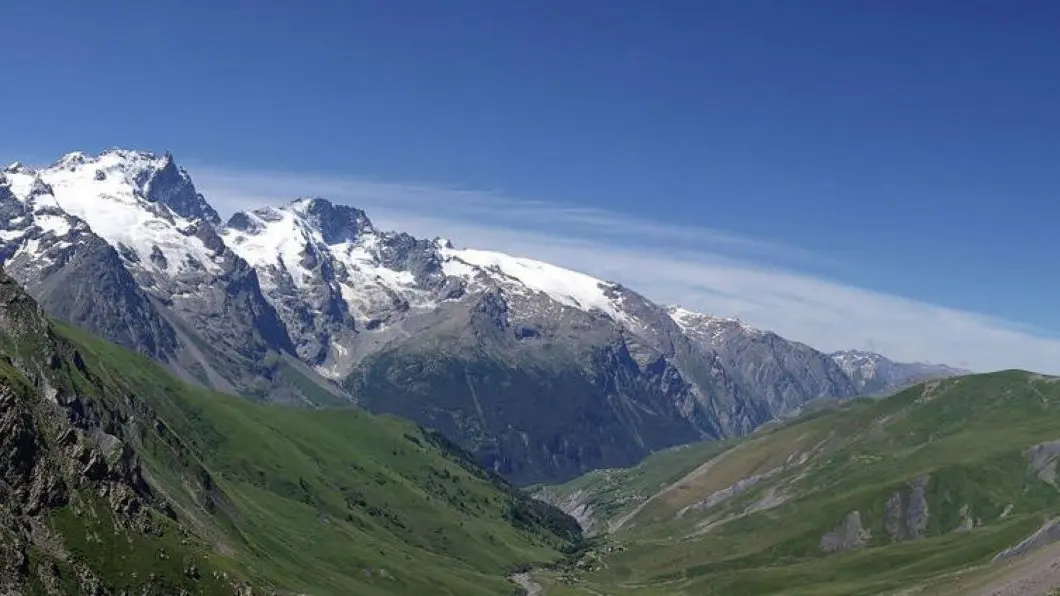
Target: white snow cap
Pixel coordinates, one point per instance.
(562, 285)
(106, 191)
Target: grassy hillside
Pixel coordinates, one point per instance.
(160, 486)
(875, 496)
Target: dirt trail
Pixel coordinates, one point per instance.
(527, 583)
(700, 471)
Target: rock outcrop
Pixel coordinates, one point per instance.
(849, 535)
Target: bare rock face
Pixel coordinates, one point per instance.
(576, 505)
(967, 521)
(892, 517)
(1043, 458)
(849, 535)
(916, 514)
(907, 518)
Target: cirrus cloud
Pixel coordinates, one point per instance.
(713, 271)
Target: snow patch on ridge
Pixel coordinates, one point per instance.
(709, 326)
(567, 287)
(283, 239)
(279, 239)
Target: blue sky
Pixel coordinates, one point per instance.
(907, 150)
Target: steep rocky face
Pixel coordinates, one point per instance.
(541, 389)
(123, 244)
(331, 275)
(169, 185)
(873, 374)
(778, 375)
(77, 276)
(533, 398)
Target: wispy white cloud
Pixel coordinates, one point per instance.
(698, 267)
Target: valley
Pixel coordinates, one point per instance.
(754, 466)
(913, 494)
(529, 299)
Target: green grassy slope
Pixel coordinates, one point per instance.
(337, 501)
(226, 493)
(749, 517)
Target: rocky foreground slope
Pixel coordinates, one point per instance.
(543, 372)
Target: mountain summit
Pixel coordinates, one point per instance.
(543, 372)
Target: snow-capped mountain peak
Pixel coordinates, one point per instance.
(122, 243)
(155, 178)
(329, 274)
(294, 237)
(142, 204)
(327, 271)
(371, 268)
(294, 240)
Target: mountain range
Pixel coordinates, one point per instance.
(542, 372)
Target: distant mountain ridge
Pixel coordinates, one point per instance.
(542, 372)
(874, 374)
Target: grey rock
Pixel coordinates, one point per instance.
(893, 517)
(968, 523)
(171, 186)
(907, 519)
(720, 496)
(849, 535)
(534, 409)
(1043, 460)
(916, 515)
